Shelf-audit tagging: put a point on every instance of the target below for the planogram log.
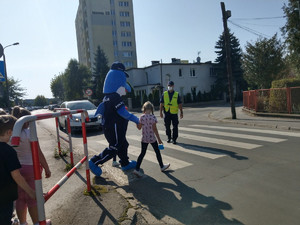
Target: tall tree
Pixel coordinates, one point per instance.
(76, 79)
(16, 92)
(263, 62)
(221, 83)
(99, 72)
(40, 100)
(57, 87)
(291, 31)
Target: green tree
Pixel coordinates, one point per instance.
(15, 91)
(40, 100)
(221, 83)
(291, 32)
(57, 86)
(99, 72)
(76, 79)
(263, 62)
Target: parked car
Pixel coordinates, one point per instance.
(75, 120)
(52, 107)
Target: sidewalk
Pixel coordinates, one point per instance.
(264, 120)
(69, 205)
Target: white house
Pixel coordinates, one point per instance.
(188, 77)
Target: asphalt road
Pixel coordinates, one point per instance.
(220, 173)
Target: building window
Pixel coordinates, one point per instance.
(126, 43)
(129, 64)
(125, 24)
(125, 34)
(115, 43)
(127, 54)
(212, 72)
(125, 14)
(194, 94)
(114, 33)
(107, 13)
(113, 23)
(192, 72)
(116, 53)
(94, 12)
(180, 72)
(123, 3)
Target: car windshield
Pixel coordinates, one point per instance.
(81, 105)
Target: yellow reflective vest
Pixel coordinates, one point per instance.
(173, 105)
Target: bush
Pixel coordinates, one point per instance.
(278, 96)
(278, 100)
(188, 98)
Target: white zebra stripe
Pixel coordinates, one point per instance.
(234, 135)
(283, 133)
(194, 150)
(218, 141)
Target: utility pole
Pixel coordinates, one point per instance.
(226, 15)
(299, 8)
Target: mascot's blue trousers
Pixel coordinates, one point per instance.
(118, 145)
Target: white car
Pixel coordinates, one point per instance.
(75, 120)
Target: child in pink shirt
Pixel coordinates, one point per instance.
(149, 135)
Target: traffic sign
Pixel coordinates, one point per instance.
(88, 92)
(2, 74)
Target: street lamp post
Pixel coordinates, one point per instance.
(5, 73)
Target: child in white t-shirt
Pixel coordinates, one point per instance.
(149, 135)
(25, 157)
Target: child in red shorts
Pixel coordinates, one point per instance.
(24, 202)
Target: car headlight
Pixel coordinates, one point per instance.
(75, 119)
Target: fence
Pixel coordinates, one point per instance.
(68, 130)
(15, 141)
(275, 100)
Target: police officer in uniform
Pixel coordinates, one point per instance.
(170, 102)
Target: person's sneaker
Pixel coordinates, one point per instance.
(137, 173)
(131, 165)
(166, 166)
(115, 163)
(48, 222)
(174, 142)
(95, 169)
(169, 140)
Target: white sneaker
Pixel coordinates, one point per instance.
(115, 163)
(137, 173)
(166, 166)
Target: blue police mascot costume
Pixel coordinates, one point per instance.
(114, 120)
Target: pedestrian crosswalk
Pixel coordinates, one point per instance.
(221, 136)
(150, 156)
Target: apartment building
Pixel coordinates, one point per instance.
(110, 25)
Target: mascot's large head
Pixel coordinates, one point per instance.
(115, 80)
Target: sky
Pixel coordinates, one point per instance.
(164, 29)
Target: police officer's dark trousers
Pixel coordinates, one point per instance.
(171, 118)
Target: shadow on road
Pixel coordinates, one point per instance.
(212, 150)
(179, 201)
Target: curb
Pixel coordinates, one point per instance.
(280, 115)
(253, 124)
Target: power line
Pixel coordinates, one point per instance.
(261, 18)
(249, 29)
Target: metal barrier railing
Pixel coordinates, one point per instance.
(274, 100)
(15, 141)
(68, 129)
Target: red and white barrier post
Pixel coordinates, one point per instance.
(15, 141)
